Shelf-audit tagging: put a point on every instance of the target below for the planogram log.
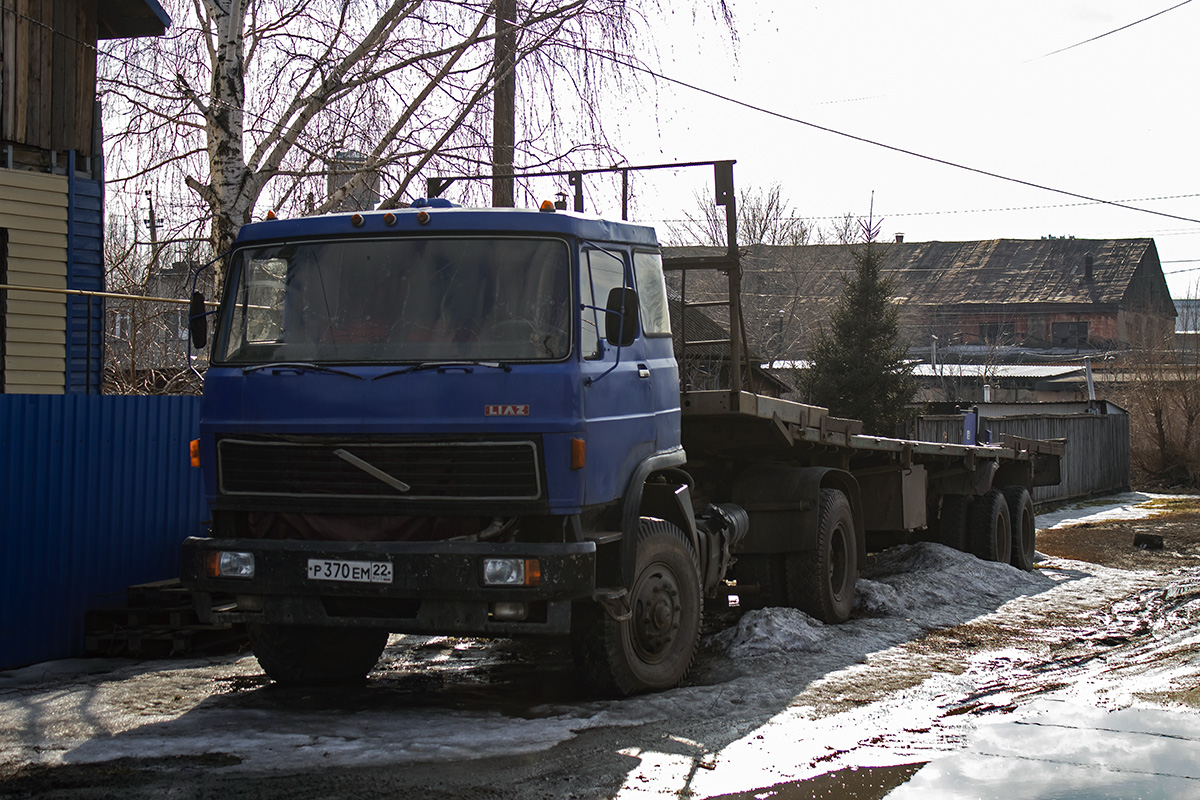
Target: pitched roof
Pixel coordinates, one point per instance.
(958, 273)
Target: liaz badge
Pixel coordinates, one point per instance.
(506, 411)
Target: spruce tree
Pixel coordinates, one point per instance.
(858, 367)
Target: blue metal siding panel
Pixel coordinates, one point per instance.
(85, 315)
(96, 493)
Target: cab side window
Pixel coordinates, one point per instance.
(652, 294)
(602, 272)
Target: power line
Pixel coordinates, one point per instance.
(885, 146)
(1109, 33)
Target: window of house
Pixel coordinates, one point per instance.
(997, 332)
(122, 325)
(1070, 334)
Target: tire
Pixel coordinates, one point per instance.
(654, 648)
(821, 582)
(991, 528)
(302, 655)
(1023, 526)
(953, 521)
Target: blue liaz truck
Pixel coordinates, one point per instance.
(444, 420)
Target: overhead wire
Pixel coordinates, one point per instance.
(883, 145)
(1109, 33)
(620, 61)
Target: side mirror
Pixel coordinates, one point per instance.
(621, 317)
(198, 321)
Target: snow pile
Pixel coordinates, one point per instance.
(772, 630)
(934, 584)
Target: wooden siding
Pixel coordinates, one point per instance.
(48, 73)
(1097, 457)
(34, 322)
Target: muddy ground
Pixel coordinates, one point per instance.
(1111, 543)
(1034, 647)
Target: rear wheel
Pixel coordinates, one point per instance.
(991, 530)
(1023, 526)
(304, 655)
(652, 649)
(821, 582)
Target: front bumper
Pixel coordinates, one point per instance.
(436, 587)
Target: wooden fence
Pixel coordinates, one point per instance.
(1097, 457)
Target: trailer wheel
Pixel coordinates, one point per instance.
(821, 582)
(304, 655)
(652, 649)
(953, 521)
(991, 527)
(1023, 526)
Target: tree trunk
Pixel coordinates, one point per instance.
(227, 197)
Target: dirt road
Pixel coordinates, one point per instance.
(947, 659)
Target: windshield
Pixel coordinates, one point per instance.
(409, 300)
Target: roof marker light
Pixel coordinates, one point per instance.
(423, 217)
(270, 214)
(389, 219)
(357, 220)
(547, 205)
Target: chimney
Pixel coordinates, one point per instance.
(899, 238)
(1087, 267)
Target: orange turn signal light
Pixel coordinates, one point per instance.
(194, 448)
(533, 572)
(578, 453)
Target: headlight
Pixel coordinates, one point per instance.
(511, 572)
(230, 564)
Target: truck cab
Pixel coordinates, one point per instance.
(430, 420)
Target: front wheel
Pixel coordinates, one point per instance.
(652, 649)
(821, 582)
(304, 655)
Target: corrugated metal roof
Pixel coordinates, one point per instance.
(996, 370)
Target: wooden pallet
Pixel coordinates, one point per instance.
(158, 620)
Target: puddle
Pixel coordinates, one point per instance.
(852, 783)
(1061, 749)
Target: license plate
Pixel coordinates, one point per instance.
(327, 569)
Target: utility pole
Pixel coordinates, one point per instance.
(504, 113)
(152, 222)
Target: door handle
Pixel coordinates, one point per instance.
(643, 371)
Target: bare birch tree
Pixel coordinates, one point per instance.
(251, 103)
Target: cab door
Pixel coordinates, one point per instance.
(618, 404)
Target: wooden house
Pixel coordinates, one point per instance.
(51, 188)
(1059, 295)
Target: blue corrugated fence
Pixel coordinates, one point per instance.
(96, 494)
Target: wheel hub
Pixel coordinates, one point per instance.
(656, 614)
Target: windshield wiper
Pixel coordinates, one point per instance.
(302, 366)
(441, 365)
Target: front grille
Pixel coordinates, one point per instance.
(431, 470)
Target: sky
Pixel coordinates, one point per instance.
(976, 84)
